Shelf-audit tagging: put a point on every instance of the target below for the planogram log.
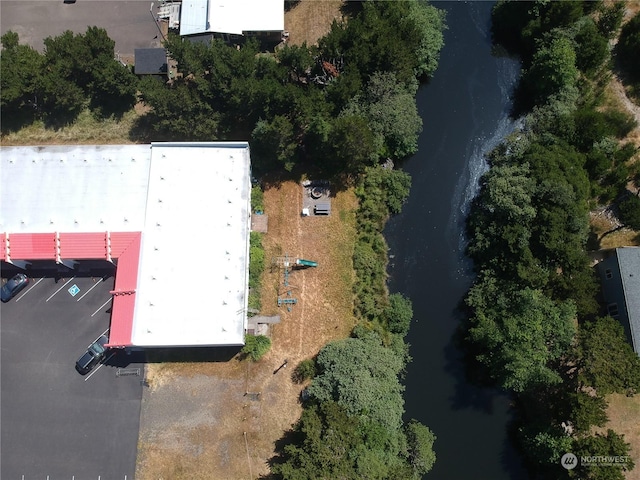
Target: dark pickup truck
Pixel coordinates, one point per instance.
(89, 359)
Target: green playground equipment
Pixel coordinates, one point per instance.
(306, 263)
(287, 264)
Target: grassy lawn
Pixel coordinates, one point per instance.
(85, 130)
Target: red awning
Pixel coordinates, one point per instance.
(124, 292)
(82, 246)
(32, 246)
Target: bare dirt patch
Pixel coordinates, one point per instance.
(221, 420)
(310, 20)
(623, 413)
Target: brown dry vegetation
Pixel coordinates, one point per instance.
(196, 421)
(310, 20)
(86, 130)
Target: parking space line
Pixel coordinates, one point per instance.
(101, 307)
(54, 293)
(100, 365)
(96, 284)
(29, 289)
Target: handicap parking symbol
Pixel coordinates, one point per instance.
(74, 290)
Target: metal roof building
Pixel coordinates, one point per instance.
(620, 278)
(231, 16)
(173, 217)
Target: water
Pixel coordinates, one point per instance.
(465, 112)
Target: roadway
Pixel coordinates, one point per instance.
(129, 23)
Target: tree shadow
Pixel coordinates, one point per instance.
(289, 437)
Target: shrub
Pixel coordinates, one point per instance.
(256, 346)
(257, 199)
(305, 370)
(629, 212)
(398, 314)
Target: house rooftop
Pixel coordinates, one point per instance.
(231, 16)
(150, 61)
(629, 263)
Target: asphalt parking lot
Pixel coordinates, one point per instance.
(128, 22)
(56, 423)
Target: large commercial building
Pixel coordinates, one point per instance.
(174, 218)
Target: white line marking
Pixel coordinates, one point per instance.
(29, 289)
(96, 284)
(54, 293)
(101, 306)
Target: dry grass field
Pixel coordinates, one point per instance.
(311, 19)
(86, 130)
(196, 421)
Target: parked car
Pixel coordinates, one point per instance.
(13, 286)
(94, 354)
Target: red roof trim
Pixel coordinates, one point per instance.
(3, 246)
(32, 246)
(124, 291)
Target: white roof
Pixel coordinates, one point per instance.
(74, 188)
(231, 16)
(193, 275)
(191, 201)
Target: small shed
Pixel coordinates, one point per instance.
(151, 61)
(620, 279)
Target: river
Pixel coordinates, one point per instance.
(465, 113)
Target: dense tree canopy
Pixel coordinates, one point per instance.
(607, 361)
(521, 334)
(362, 376)
(75, 70)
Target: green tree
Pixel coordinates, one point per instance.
(273, 143)
(553, 69)
(352, 144)
(400, 37)
(362, 376)
(611, 444)
(629, 211)
(398, 314)
(305, 370)
(390, 109)
(587, 411)
(328, 443)
(420, 442)
(21, 68)
(611, 19)
(606, 360)
(592, 48)
(520, 335)
(545, 446)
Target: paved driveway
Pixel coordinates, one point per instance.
(129, 23)
(56, 423)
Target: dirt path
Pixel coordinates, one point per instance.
(618, 90)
